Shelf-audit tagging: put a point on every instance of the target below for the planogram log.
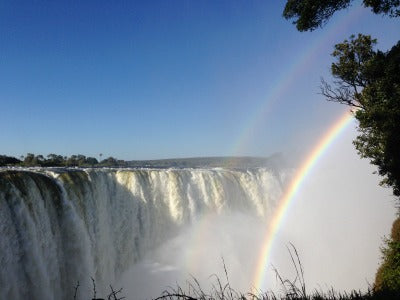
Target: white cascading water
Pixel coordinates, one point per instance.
(60, 227)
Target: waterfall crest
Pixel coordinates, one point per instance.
(60, 226)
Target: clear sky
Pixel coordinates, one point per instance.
(163, 79)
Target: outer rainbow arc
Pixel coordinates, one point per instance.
(290, 193)
(287, 78)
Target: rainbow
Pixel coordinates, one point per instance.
(287, 77)
(290, 193)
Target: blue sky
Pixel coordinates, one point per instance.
(162, 79)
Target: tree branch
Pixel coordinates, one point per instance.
(341, 94)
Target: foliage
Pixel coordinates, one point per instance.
(8, 160)
(109, 162)
(55, 160)
(352, 71)
(246, 162)
(290, 289)
(388, 274)
(311, 14)
(388, 7)
(379, 121)
(369, 81)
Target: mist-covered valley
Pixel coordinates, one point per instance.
(150, 229)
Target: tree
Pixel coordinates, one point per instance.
(311, 14)
(365, 79)
(109, 162)
(30, 160)
(81, 159)
(388, 275)
(8, 160)
(54, 160)
(91, 161)
(369, 81)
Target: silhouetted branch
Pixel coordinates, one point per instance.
(299, 269)
(179, 296)
(227, 278)
(342, 94)
(76, 290)
(94, 288)
(114, 294)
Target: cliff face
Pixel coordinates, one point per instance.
(58, 227)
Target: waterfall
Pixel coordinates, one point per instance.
(61, 226)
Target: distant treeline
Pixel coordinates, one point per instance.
(79, 160)
(54, 160)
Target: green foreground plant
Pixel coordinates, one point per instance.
(294, 289)
(388, 274)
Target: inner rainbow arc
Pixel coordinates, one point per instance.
(289, 195)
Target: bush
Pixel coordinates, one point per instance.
(388, 274)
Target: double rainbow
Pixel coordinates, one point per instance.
(297, 69)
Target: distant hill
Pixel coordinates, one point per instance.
(210, 162)
(53, 160)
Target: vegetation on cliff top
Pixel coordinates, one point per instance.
(79, 160)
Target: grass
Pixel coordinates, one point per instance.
(290, 289)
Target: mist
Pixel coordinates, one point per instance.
(149, 229)
(336, 221)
